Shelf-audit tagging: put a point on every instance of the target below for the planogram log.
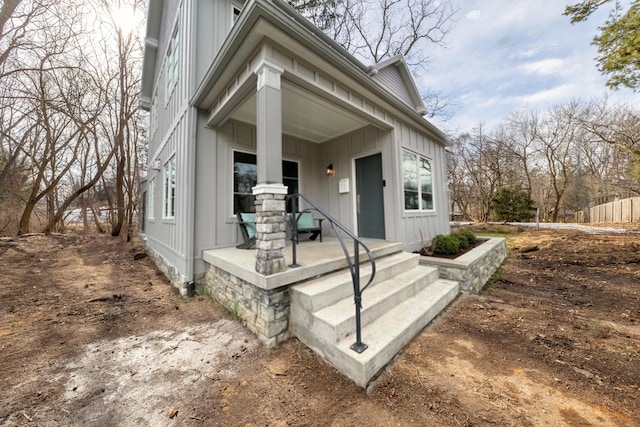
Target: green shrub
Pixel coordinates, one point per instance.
(471, 238)
(445, 245)
(463, 243)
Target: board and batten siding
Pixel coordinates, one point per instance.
(399, 225)
(342, 152)
(172, 238)
(412, 224)
(215, 220)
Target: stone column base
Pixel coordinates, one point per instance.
(270, 228)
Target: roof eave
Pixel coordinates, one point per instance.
(154, 21)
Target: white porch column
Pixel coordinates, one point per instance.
(269, 192)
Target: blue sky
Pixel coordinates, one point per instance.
(514, 55)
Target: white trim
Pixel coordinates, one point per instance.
(169, 190)
(408, 212)
(151, 194)
(172, 58)
(270, 189)
(268, 74)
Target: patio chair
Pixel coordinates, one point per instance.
(247, 224)
(308, 224)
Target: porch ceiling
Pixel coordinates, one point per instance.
(305, 115)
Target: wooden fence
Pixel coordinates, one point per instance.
(625, 210)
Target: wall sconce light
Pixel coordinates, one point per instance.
(330, 171)
(156, 165)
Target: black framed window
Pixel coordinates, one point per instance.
(245, 177)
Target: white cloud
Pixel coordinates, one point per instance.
(506, 55)
(544, 67)
(546, 97)
(528, 53)
(474, 15)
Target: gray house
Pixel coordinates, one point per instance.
(249, 103)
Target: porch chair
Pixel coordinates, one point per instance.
(247, 224)
(308, 224)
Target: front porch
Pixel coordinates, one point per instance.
(263, 302)
(315, 302)
(314, 259)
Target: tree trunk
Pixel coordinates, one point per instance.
(25, 219)
(85, 219)
(117, 226)
(96, 219)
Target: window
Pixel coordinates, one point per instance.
(153, 118)
(290, 179)
(171, 66)
(245, 177)
(145, 195)
(169, 210)
(418, 186)
(152, 195)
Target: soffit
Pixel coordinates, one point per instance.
(305, 115)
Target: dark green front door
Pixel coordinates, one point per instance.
(369, 197)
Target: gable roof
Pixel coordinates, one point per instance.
(394, 74)
(284, 17)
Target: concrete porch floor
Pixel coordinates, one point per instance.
(313, 257)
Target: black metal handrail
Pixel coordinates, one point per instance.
(354, 265)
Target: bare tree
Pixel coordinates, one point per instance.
(556, 136)
(123, 58)
(375, 30)
(522, 130)
(18, 19)
(67, 112)
(614, 133)
(477, 170)
(569, 157)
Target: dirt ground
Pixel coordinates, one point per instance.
(92, 334)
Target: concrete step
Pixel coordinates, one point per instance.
(389, 333)
(326, 290)
(337, 321)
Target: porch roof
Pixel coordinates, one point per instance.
(277, 21)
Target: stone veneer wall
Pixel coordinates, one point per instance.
(176, 279)
(265, 312)
(474, 268)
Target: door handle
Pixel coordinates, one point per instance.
(358, 204)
